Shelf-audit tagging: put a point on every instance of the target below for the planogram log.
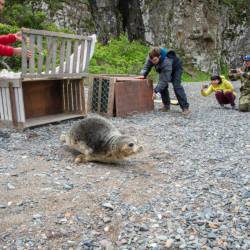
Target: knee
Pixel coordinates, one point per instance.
(218, 93)
(177, 86)
(228, 94)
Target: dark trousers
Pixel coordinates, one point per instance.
(225, 98)
(178, 90)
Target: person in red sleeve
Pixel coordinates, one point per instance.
(5, 40)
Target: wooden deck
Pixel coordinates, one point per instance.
(34, 122)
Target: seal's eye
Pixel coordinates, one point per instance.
(131, 145)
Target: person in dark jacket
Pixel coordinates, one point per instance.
(169, 67)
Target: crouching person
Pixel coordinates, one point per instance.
(224, 91)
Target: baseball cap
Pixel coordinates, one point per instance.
(246, 58)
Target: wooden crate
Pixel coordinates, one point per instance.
(51, 85)
(119, 95)
(31, 103)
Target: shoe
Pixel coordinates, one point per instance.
(233, 107)
(186, 112)
(164, 109)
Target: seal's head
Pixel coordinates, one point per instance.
(127, 146)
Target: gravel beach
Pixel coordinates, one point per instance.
(188, 189)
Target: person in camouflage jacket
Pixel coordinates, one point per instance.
(244, 102)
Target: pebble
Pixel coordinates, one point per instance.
(187, 190)
(68, 186)
(108, 205)
(106, 219)
(10, 186)
(169, 243)
(2, 206)
(211, 236)
(37, 216)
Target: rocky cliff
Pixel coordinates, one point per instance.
(206, 33)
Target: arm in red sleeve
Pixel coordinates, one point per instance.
(7, 39)
(6, 50)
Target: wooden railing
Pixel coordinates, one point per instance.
(55, 55)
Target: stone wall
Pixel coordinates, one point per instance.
(200, 30)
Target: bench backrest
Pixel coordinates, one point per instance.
(55, 55)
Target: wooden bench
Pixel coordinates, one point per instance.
(50, 87)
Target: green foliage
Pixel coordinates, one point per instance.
(119, 57)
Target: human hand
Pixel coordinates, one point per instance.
(18, 52)
(204, 86)
(140, 77)
(154, 96)
(239, 71)
(18, 36)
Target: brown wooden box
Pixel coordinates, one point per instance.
(119, 95)
(30, 103)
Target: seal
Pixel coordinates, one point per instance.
(97, 139)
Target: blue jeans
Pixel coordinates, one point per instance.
(178, 90)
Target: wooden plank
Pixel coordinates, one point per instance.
(88, 55)
(5, 107)
(62, 56)
(111, 96)
(82, 97)
(7, 94)
(77, 107)
(21, 104)
(29, 77)
(13, 104)
(63, 94)
(4, 83)
(40, 54)
(33, 122)
(75, 95)
(32, 58)
(54, 55)
(68, 53)
(90, 93)
(72, 95)
(49, 54)
(81, 69)
(55, 34)
(68, 96)
(9, 124)
(24, 54)
(75, 57)
(2, 116)
(17, 104)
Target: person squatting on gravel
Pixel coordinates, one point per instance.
(244, 102)
(169, 67)
(5, 40)
(224, 90)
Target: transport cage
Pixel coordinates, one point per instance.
(119, 95)
(50, 87)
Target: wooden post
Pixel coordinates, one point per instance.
(13, 104)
